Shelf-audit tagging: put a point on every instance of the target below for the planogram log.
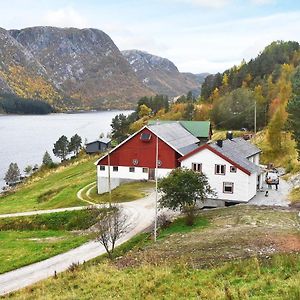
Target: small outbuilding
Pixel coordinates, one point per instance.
(98, 146)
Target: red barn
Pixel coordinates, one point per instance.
(135, 158)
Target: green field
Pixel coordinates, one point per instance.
(239, 252)
(123, 193)
(25, 240)
(50, 189)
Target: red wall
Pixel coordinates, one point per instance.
(144, 152)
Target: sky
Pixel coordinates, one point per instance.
(197, 35)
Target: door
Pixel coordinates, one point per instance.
(151, 174)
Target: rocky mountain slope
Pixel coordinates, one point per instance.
(83, 69)
(161, 75)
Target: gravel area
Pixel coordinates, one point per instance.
(275, 197)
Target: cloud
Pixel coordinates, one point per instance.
(206, 3)
(65, 17)
(262, 2)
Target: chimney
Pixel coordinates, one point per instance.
(229, 135)
(220, 143)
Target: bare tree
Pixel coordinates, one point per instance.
(111, 226)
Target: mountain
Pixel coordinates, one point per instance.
(161, 75)
(85, 64)
(73, 68)
(21, 73)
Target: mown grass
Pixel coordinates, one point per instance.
(20, 248)
(169, 268)
(54, 188)
(123, 193)
(25, 240)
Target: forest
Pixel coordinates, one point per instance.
(12, 104)
(269, 84)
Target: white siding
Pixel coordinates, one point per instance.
(123, 175)
(244, 185)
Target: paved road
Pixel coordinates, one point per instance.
(140, 214)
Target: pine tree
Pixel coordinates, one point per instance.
(47, 160)
(13, 174)
(61, 148)
(75, 144)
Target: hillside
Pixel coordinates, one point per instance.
(73, 69)
(240, 252)
(161, 75)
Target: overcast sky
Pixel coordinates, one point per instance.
(197, 35)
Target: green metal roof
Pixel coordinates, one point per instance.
(196, 128)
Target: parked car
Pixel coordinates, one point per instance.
(272, 177)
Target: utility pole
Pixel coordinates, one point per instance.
(156, 188)
(109, 181)
(255, 116)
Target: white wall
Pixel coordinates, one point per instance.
(123, 175)
(244, 185)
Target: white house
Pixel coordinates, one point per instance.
(232, 169)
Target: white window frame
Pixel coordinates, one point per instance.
(219, 166)
(230, 184)
(102, 168)
(131, 169)
(115, 169)
(197, 167)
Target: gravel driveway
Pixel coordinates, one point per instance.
(275, 198)
(141, 216)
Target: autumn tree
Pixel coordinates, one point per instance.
(144, 110)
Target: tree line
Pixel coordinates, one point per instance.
(12, 104)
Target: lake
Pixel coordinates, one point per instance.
(24, 139)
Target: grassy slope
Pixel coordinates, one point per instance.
(25, 240)
(20, 248)
(123, 193)
(198, 263)
(55, 189)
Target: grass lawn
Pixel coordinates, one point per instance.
(54, 189)
(20, 248)
(123, 193)
(240, 252)
(25, 240)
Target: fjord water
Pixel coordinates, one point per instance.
(24, 139)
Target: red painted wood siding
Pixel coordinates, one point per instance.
(144, 152)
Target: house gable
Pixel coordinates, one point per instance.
(141, 153)
(206, 146)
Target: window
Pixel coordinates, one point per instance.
(232, 169)
(228, 187)
(102, 168)
(197, 167)
(115, 169)
(220, 169)
(132, 169)
(145, 170)
(145, 137)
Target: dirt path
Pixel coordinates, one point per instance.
(140, 216)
